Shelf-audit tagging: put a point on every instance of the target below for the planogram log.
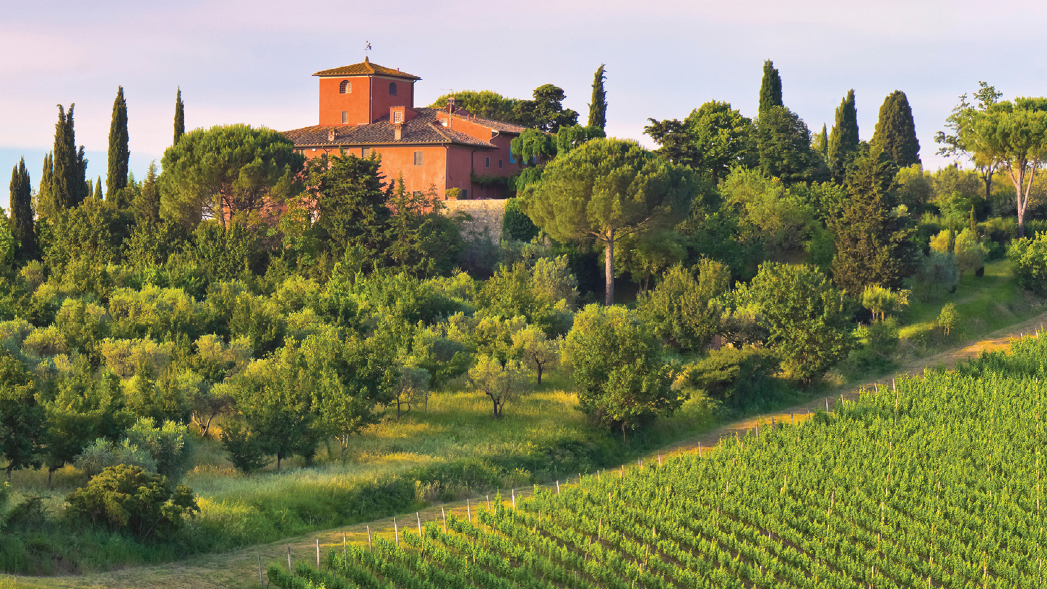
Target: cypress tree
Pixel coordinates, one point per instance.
(770, 88)
(64, 190)
(80, 181)
(843, 141)
(45, 200)
(598, 106)
(116, 179)
(147, 202)
(98, 188)
(895, 131)
(179, 124)
(820, 143)
(21, 223)
(873, 244)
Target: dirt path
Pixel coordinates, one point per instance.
(240, 568)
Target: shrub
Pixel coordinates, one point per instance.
(1028, 257)
(948, 319)
(169, 445)
(682, 310)
(102, 454)
(245, 451)
(936, 273)
(128, 498)
(734, 376)
(970, 254)
(516, 225)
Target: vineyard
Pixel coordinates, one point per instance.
(934, 482)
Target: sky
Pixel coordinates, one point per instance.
(252, 62)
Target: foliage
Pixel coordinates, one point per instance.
(605, 190)
(873, 245)
(147, 204)
(67, 184)
(502, 383)
(935, 273)
(103, 453)
(895, 131)
(21, 417)
(785, 145)
(128, 498)
(618, 368)
(806, 317)
(881, 300)
(970, 253)
(169, 445)
(569, 138)
(245, 451)
(223, 171)
(533, 145)
(734, 376)
(484, 104)
(961, 122)
(682, 310)
(22, 224)
(1028, 258)
(179, 118)
(116, 179)
(948, 319)
(770, 88)
(545, 111)
(1013, 136)
(843, 140)
(713, 139)
(598, 103)
(768, 213)
(411, 388)
(538, 352)
(516, 225)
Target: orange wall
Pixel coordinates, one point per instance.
(368, 100)
(397, 160)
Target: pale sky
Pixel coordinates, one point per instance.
(251, 62)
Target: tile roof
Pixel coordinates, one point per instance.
(491, 123)
(423, 129)
(366, 68)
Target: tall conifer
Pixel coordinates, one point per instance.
(22, 212)
(895, 131)
(820, 143)
(45, 204)
(770, 88)
(116, 179)
(98, 188)
(598, 106)
(179, 124)
(64, 190)
(81, 180)
(147, 202)
(843, 140)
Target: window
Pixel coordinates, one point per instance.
(487, 163)
(417, 158)
(365, 152)
(512, 158)
(499, 163)
(465, 194)
(345, 87)
(398, 116)
(345, 117)
(392, 88)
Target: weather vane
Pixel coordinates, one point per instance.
(367, 47)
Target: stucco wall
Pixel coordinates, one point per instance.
(486, 214)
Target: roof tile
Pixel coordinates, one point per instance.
(366, 68)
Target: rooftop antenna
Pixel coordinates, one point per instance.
(450, 106)
(367, 47)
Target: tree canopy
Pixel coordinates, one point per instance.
(843, 140)
(116, 179)
(224, 171)
(606, 189)
(712, 139)
(598, 103)
(895, 132)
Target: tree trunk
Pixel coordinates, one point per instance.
(608, 298)
(539, 373)
(279, 458)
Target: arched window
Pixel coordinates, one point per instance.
(345, 87)
(392, 88)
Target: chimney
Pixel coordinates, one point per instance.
(330, 136)
(398, 131)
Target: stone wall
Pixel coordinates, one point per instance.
(486, 214)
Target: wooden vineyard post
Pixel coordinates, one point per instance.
(597, 475)
(659, 460)
(261, 581)
(623, 471)
(827, 404)
(317, 554)
(557, 488)
(757, 429)
(289, 567)
(772, 424)
(419, 518)
(639, 462)
(699, 449)
(488, 503)
(468, 511)
(513, 492)
(396, 533)
(794, 418)
(370, 546)
(444, 513)
(345, 546)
